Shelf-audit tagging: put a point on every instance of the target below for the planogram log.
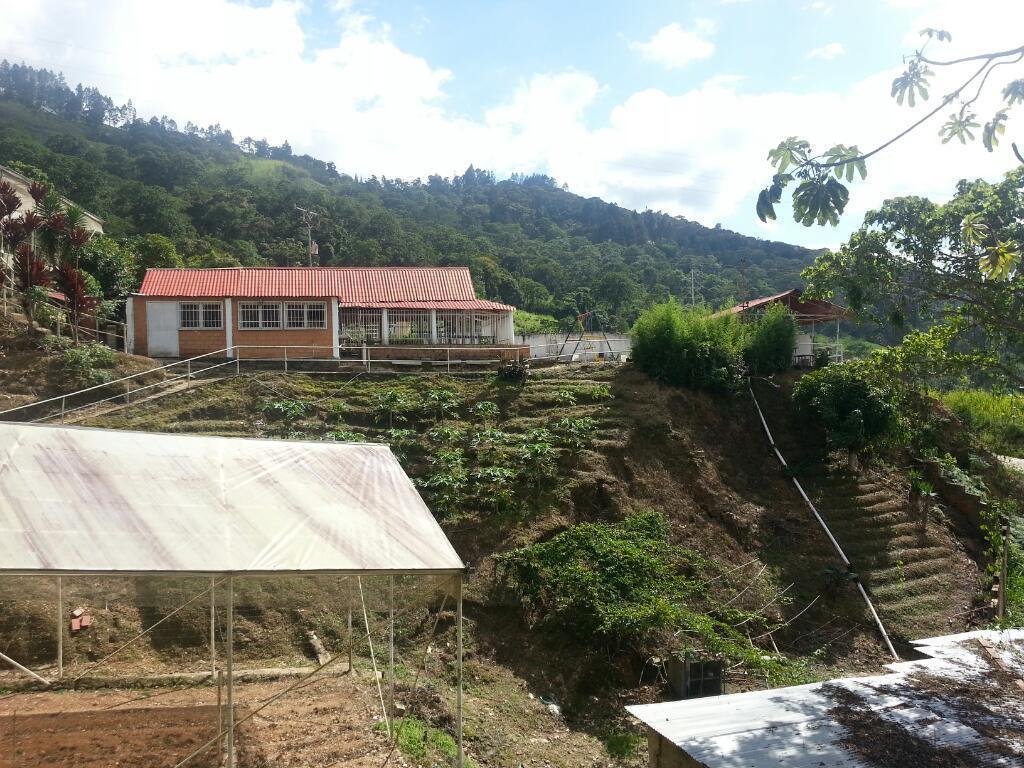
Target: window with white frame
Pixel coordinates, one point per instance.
(306, 314)
(194, 315)
(408, 326)
(253, 315)
(360, 326)
(248, 316)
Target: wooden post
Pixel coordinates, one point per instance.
(63, 404)
(458, 694)
(391, 651)
(231, 671)
(60, 629)
(220, 718)
(188, 374)
(286, 359)
(213, 627)
(348, 585)
(1004, 566)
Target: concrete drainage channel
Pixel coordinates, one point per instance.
(824, 526)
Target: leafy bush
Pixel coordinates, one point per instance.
(854, 411)
(575, 433)
(445, 435)
(689, 347)
(565, 397)
(88, 364)
(391, 406)
(771, 341)
(448, 480)
(495, 486)
(486, 411)
(284, 410)
(617, 582)
(441, 402)
(598, 392)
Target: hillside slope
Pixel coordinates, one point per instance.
(528, 241)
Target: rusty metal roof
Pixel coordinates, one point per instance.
(411, 287)
(943, 700)
(803, 310)
(76, 500)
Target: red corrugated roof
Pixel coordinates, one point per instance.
(405, 287)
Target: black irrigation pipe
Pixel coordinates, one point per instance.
(824, 526)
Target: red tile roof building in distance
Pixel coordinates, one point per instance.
(366, 287)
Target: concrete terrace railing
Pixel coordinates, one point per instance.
(231, 361)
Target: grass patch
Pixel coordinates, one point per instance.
(997, 419)
(421, 742)
(621, 744)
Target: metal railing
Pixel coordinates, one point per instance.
(232, 359)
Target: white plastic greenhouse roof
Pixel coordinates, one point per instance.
(959, 698)
(76, 500)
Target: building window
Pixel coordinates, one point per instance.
(253, 315)
(467, 327)
(306, 314)
(189, 315)
(360, 326)
(248, 316)
(211, 316)
(270, 315)
(408, 326)
(195, 316)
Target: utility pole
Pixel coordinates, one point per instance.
(308, 219)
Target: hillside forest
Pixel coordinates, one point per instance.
(175, 195)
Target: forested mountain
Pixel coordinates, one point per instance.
(221, 201)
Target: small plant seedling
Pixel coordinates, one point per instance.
(565, 397)
(486, 411)
(284, 410)
(442, 402)
(391, 406)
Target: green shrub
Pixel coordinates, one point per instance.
(617, 582)
(770, 342)
(689, 347)
(486, 411)
(347, 436)
(284, 410)
(391, 406)
(441, 402)
(854, 412)
(88, 364)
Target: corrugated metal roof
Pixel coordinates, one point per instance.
(796, 726)
(808, 310)
(353, 286)
(94, 501)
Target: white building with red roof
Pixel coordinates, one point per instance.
(319, 312)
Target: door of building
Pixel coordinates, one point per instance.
(162, 328)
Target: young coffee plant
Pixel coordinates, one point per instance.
(441, 402)
(442, 434)
(391, 406)
(336, 411)
(540, 463)
(401, 441)
(598, 392)
(565, 397)
(447, 481)
(575, 434)
(489, 438)
(284, 410)
(495, 486)
(486, 411)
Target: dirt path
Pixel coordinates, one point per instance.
(329, 722)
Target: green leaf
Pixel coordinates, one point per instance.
(1001, 260)
(959, 127)
(993, 130)
(792, 151)
(1014, 92)
(913, 81)
(974, 229)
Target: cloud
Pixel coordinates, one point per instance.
(374, 108)
(820, 6)
(827, 52)
(674, 46)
